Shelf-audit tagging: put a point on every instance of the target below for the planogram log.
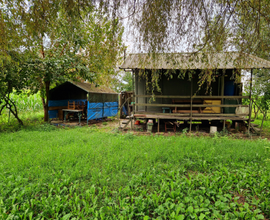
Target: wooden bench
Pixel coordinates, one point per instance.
(187, 109)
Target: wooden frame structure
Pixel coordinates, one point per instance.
(142, 108)
(192, 116)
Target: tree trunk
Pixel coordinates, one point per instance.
(46, 102)
(9, 104)
(43, 104)
(255, 113)
(15, 113)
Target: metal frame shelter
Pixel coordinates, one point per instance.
(180, 97)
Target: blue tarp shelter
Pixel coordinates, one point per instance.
(101, 101)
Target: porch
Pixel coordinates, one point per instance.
(193, 108)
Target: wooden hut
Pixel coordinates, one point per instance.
(99, 102)
(180, 95)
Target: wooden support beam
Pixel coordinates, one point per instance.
(136, 91)
(250, 101)
(132, 96)
(187, 105)
(190, 122)
(193, 97)
(57, 108)
(132, 115)
(222, 90)
(187, 118)
(188, 114)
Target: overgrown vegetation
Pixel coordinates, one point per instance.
(82, 173)
(29, 108)
(94, 172)
(55, 41)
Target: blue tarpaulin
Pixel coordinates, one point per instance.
(125, 110)
(53, 113)
(113, 111)
(95, 110)
(101, 110)
(110, 109)
(58, 103)
(55, 103)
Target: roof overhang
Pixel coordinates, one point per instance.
(189, 61)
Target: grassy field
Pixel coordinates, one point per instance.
(96, 173)
(82, 173)
(30, 111)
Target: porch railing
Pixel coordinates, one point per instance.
(191, 105)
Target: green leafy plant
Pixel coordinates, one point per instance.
(96, 174)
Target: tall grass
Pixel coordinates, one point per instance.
(50, 173)
(30, 110)
(25, 102)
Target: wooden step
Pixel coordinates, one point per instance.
(256, 130)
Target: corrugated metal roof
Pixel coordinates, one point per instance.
(90, 87)
(225, 60)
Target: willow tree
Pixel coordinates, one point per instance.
(63, 40)
(195, 26)
(164, 26)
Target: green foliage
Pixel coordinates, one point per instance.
(85, 174)
(11, 79)
(127, 82)
(61, 41)
(197, 25)
(27, 102)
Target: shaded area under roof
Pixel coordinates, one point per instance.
(225, 60)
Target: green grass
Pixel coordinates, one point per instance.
(30, 110)
(92, 173)
(81, 173)
(30, 120)
(25, 102)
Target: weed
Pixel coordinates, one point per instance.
(77, 174)
(83, 173)
(184, 131)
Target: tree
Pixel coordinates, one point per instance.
(127, 82)
(63, 42)
(159, 25)
(121, 82)
(260, 91)
(11, 80)
(195, 26)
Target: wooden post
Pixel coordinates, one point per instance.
(222, 90)
(222, 94)
(120, 104)
(132, 99)
(131, 116)
(145, 99)
(190, 121)
(136, 88)
(158, 125)
(250, 101)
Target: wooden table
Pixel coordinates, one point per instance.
(172, 126)
(78, 111)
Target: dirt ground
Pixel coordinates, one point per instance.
(109, 124)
